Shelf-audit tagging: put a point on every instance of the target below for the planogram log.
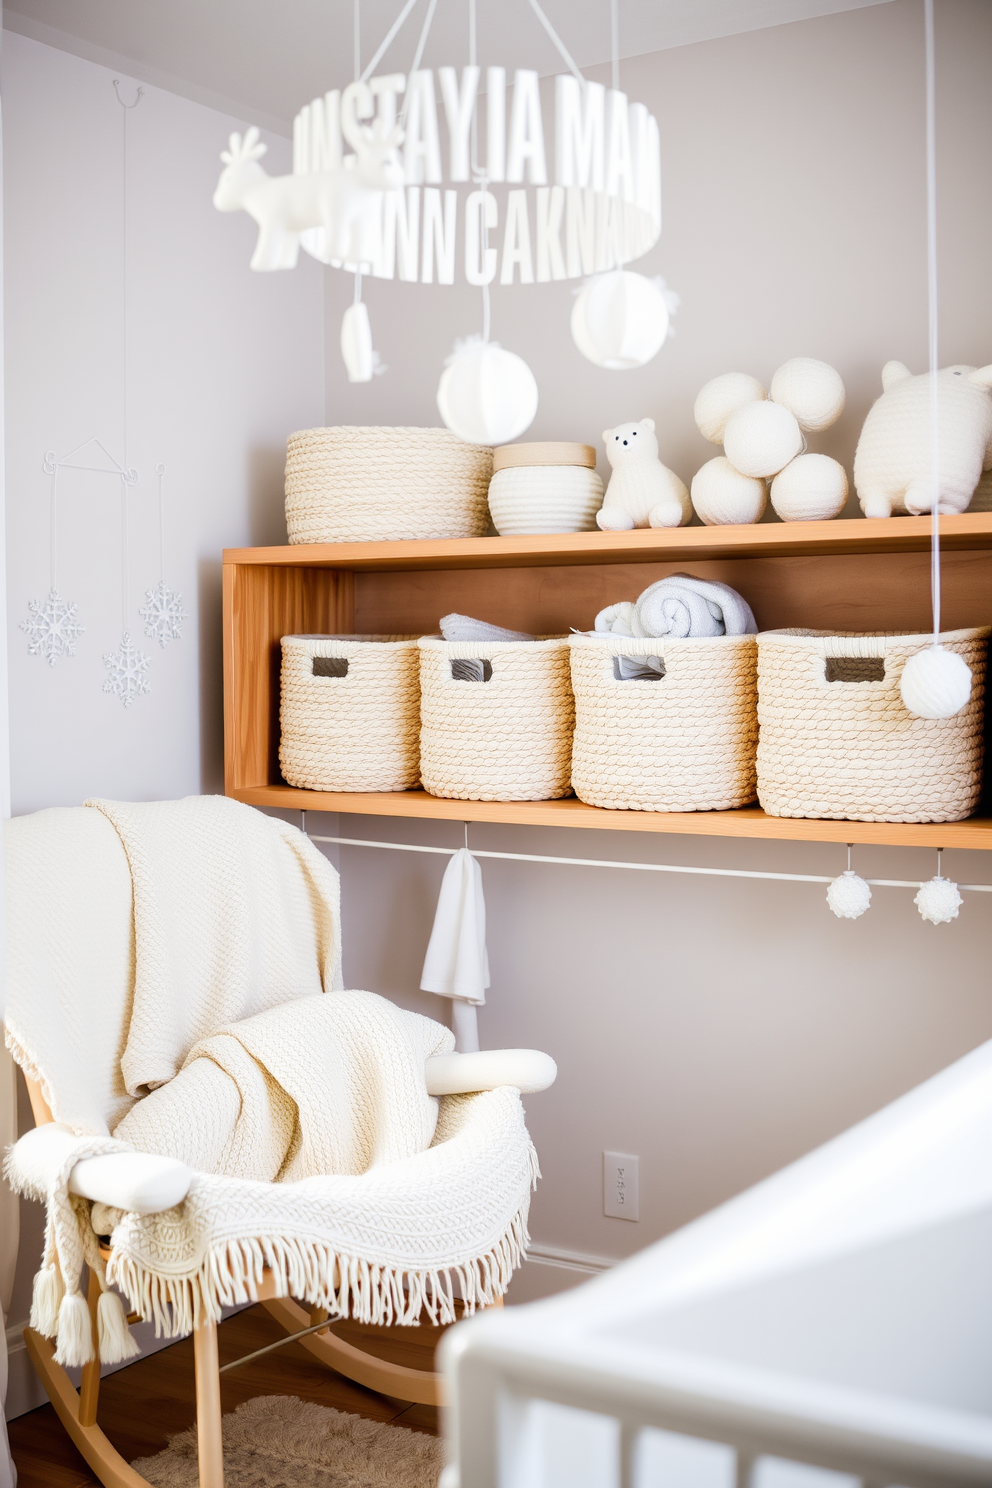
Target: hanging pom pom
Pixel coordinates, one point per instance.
(935, 683)
(46, 1298)
(75, 1335)
(116, 1342)
(938, 900)
(848, 896)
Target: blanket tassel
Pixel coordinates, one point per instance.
(46, 1299)
(116, 1342)
(75, 1335)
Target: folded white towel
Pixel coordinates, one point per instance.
(464, 628)
(680, 606)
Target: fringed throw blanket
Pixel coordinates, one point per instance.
(322, 1157)
(303, 1109)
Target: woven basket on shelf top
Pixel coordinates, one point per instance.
(682, 741)
(356, 484)
(350, 712)
(837, 741)
(505, 738)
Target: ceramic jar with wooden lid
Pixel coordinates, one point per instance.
(549, 487)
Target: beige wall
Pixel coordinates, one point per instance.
(718, 1029)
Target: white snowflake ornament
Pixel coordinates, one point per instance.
(163, 614)
(52, 628)
(848, 896)
(938, 900)
(127, 667)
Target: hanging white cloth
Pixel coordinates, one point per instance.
(457, 964)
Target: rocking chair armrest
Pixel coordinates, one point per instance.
(139, 1182)
(458, 1074)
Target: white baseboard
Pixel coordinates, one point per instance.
(550, 1270)
(569, 1260)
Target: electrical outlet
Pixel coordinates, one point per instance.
(620, 1185)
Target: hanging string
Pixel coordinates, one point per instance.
(417, 57)
(931, 140)
(387, 40)
(160, 472)
(479, 176)
(557, 40)
(127, 476)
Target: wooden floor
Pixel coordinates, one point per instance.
(144, 1404)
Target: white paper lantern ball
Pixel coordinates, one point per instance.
(938, 901)
(811, 488)
(935, 683)
(620, 320)
(487, 395)
(761, 438)
(812, 390)
(724, 497)
(721, 397)
(849, 896)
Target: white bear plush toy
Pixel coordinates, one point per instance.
(642, 491)
(893, 469)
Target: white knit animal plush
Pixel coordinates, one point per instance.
(893, 464)
(642, 491)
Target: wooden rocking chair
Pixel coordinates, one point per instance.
(63, 857)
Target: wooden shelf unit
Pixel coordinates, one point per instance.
(849, 574)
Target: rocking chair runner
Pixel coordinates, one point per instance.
(71, 986)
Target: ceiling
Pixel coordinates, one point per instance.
(262, 59)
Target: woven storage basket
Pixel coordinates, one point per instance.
(836, 739)
(505, 739)
(354, 484)
(355, 731)
(684, 742)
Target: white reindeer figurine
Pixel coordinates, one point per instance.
(346, 203)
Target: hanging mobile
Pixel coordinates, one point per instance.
(52, 628)
(163, 613)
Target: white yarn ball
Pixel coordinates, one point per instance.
(935, 683)
(811, 488)
(487, 395)
(761, 438)
(938, 901)
(721, 397)
(849, 896)
(812, 390)
(722, 496)
(620, 320)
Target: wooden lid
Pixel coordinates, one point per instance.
(553, 452)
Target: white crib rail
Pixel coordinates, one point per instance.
(834, 1320)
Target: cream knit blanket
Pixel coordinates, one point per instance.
(318, 1153)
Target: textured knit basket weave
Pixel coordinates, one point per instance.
(355, 484)
(508, 738)
(836, 739)
(350, 713)
(683, 742)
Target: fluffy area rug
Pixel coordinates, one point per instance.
(277, 1441)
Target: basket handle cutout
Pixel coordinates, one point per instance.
(330, 666)
(639, 668)
(471, 669)
(855, 669)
